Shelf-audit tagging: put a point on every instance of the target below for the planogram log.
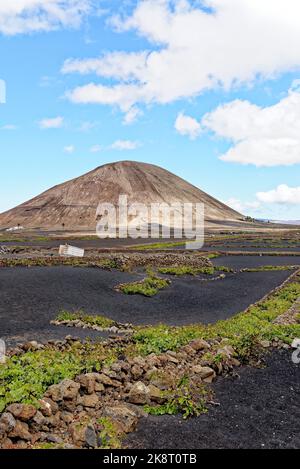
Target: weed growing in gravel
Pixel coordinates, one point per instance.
(244, 330)
(189, 270)
(188, 400)
(90, 320)
(223, 268)
(150, 286)
(213, 255)
(186, 270)
(162, 245)
(267, 268)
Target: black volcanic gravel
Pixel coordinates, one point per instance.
(260, 410)
(242, 262)
(31, 297)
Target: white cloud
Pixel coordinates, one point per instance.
(276, 204)
(2, 91)
(262, 136)
(95, 149)
(122, 95)
(132, 115)
(265, 202)
(87, 126)
(125, 145)
(120, 145)
(186, 125)
(69, 149)
(192, 49)
(283, 194)
(242, 207)
(52, 123)
(26, 16)
(8, 127)
(121, 65)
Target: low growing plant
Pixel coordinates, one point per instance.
(91, 320)
(25, 378)
(244, 330)
(266, 268)
(186, 270)
(110, 439)
(150, 286)
(188, 399)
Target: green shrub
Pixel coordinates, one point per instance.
(150, 286)
(186, 270)
(190, 270)
(88, 319)
(188, 399)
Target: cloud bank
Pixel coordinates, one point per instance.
(283, 194)
(262, 136)
(27, 16)
(192, 49)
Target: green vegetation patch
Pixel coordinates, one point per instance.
(56, 261)
(149, 286)
(189, 270)
(243, 331)
(212, 255)
(188, 399)
(26, 378)
(186, 270)
(162, 245)
(11, 239)
(97, 320)
(267, 268)
(109, 435)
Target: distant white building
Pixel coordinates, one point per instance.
(15, 228)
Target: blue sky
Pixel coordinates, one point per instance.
(175, 83)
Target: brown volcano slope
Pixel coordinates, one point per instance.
(73, 204)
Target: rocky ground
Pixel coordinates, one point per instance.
(231, 405)
(80, 412)
(258, 409)
(71, 413)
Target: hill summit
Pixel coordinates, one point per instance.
(73, 204)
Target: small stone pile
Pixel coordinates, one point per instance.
(71, 413)
(116, 328)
